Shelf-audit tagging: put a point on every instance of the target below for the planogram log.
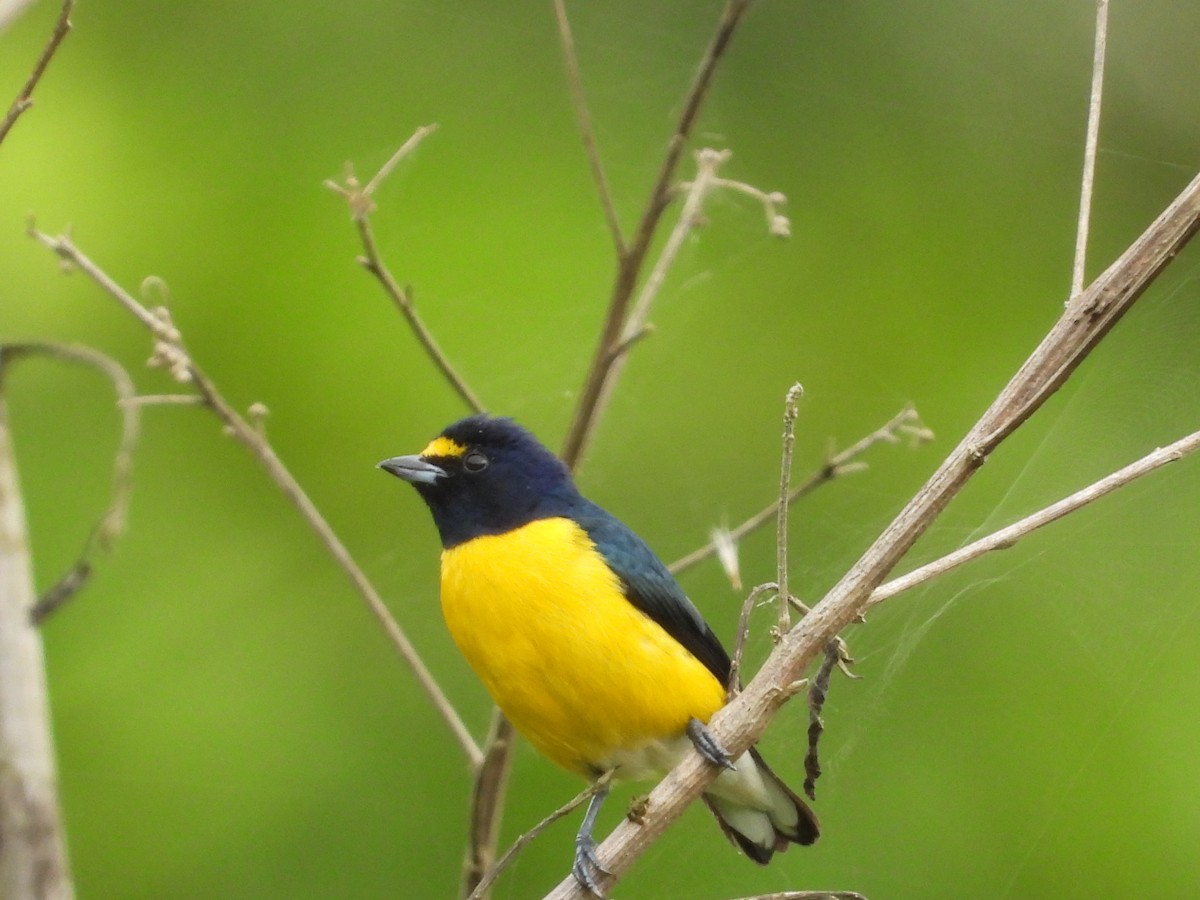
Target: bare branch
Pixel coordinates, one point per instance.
(1089, 151)
(1084, 322)
(791, 409)
(906, 422)
(629, 266)
(808, 895)
(170, 350)
(25, 98)
(362, 204)
(586, 132)
(1008, 536)
(112, 521)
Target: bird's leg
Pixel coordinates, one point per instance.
(707, 745)
(586, 866)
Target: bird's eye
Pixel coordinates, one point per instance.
(475, 461)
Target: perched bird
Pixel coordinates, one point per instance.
(581, 635)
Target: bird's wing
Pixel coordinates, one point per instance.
(652, 589)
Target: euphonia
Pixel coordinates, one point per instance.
(580, 634)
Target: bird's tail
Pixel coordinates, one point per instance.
(758, 812)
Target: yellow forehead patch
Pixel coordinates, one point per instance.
(443, 447)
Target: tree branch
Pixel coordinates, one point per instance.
(361, 201)
(1008, 536)
(629, 265)
(25, 98)
(170, 352)
(1084, 322)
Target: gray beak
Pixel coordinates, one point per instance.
(412, 469)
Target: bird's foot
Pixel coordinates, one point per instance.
(586, 868)
(707, 745)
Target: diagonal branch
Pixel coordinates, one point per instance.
(169, 351)
(25, 98)
(1085, 321)
(1009, 535)
(361, 200)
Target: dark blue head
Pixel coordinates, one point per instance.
(486, 475)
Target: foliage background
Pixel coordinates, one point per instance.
(229, 721)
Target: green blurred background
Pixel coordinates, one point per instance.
(231, 723)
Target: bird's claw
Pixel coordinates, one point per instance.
(707, 744)
(586, 866)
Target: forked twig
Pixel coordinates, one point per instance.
(170, 352)
(361, 200)
(629, 266)
(905, 423)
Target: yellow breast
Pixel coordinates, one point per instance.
(579, 671)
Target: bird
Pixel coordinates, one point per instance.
(581, 635)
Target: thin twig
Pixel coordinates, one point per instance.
(906, 422)
(185, 368)
(24, 100)
(112, 521)
(739, 642)
(524, 840)
(361, 201)
(1090, 148)
(1008, 536)
(1082, 325)
(791, 409)
(586, 132)
(630, 265)
(164, 400)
